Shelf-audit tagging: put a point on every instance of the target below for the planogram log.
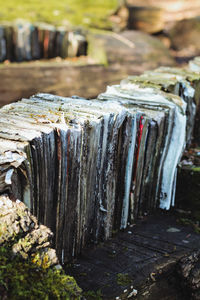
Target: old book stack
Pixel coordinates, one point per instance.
(88, 167)
(23, 41)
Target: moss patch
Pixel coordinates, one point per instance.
(23, 279)
(92, 295)
(196, 169)
(70, 12)
(96, 50)
(123, 279)
(190, 222)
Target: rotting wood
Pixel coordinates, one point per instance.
(88, 167)
(132, 95)
(176, 81)
(23, 41)
(188, 270)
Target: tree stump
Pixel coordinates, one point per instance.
(86, 168)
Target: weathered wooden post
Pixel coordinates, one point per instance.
(23, 41)
(88, 167)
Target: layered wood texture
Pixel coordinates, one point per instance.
(23, 41)
(88, 167)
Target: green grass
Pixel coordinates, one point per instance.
(88, 13)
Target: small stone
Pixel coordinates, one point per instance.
(133, 293)
(132, 225)
(173, 229)
(58, 267)
(77, 265)
(185, 241)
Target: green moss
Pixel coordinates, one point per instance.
(6, 233)
(190, 222)
(96, 49)
(83, 274)
(23, 279)
(123, 279)
(92, 295)
(196, 169)
(155, 82)
(40, 260)
(76, 12)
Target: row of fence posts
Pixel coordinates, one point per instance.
(23, 41)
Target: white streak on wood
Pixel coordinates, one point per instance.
(128, 177)
(8, 178)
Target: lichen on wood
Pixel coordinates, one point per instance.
(29, 268)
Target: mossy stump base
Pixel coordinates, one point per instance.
(29, 267)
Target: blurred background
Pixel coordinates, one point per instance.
(78, 47)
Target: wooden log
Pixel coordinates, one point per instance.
(145, 18)
(154, 15)
(55, 154)
(184, 35)
(181, 82)
(78, 153)
(188, 270)
(2, 45)
(136, 96)
(88, 167)
(9, 34)
(23, 41)
(192, 76)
